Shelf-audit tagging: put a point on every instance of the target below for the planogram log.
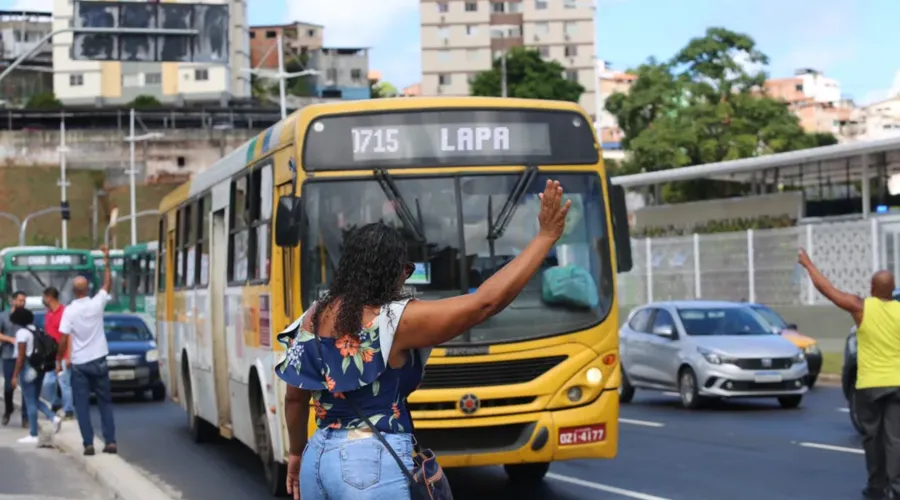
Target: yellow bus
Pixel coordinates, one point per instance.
(253, 240)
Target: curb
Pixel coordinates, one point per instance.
(121, 479)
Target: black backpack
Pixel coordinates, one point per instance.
(43, 357)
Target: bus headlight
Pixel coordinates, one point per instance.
(594, 376)
(151, 356)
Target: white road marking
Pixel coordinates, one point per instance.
(844, 410)
(645, 423)
(667, 393)
(602, 487)
(830, 447)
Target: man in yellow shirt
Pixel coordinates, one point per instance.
(878, 379)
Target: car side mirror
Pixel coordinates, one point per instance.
(288, 221)
(664, 330)
(791, 326)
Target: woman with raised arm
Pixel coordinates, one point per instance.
(360, 350)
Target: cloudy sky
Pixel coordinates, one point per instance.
(853, 41)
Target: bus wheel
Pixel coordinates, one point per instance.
(276, 472)
(527, 473)
(626, 390)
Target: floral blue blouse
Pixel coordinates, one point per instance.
(354, 368)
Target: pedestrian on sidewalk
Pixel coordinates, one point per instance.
(82, 328)
(29, 376)
(8, 358)
(878, 378)
(62, 377)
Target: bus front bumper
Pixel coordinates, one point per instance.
(588, 431)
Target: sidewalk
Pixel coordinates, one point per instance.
(114, 477)
(27, 471)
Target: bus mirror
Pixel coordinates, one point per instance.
(287, 221)
(621, 231)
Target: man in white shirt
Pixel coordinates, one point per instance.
(82, 325)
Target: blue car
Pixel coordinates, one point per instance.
(133, 356)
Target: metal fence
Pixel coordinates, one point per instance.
(757, 265)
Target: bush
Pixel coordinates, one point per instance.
(718, 226)
(43, 100)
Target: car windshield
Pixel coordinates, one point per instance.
(33, 283)
(125, 329)
(770, 316)
(722, 321)
(447, 222)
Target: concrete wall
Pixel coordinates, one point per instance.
(107, 150)
(827, 324)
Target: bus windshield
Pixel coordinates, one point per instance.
(33, 283)
(456, 244)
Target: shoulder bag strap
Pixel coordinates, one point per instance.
(368, 422)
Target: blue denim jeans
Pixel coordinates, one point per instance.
(9, 367)
(87, 378)
(64, 381)
(340, 464)
(31, 382)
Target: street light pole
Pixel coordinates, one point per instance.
(503, 74)
(132, 171)
(133, 218)
(281, 86)
(131, 180)
(63, 182)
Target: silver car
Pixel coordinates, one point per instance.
(706, 349)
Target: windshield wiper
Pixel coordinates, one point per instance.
(497, 227)
(38, 278)
(403, 213)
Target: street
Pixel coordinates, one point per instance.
(28, 472)
(747, 449)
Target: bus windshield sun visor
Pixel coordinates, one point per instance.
(498, 227)
(403, 213)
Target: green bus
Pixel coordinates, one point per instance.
(140, 279)
(118, 301)
(32, 269)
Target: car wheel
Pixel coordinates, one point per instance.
(159, 392)
(811, 380)
(790, 401)
(527, 473)
(626, 390)
(854, 419)
(688, 390)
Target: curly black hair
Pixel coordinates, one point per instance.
(369, 273)
(21, 317)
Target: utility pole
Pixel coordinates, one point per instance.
(131, 180)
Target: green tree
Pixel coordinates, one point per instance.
(43, 100)
(381, 90)
(705, 105)
(145, 102)
(528, 76)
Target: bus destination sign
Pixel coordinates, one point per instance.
(449, 138)
(48, 260)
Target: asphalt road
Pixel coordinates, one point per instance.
(747, 449)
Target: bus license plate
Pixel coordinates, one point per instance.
(121, 374)
(762, 377)
(582, 435)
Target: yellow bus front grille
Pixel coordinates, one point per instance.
(464, 375)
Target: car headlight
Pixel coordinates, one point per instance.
(799, 357)
(715, 358)
(812, 349)
(151, 355)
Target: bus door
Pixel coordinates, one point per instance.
(167, 333)
(220, 338)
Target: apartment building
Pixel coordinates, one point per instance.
(343, 72)
(20, 33)
(80, 82)
(815, 99)
(297, 38)
(461, 38)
